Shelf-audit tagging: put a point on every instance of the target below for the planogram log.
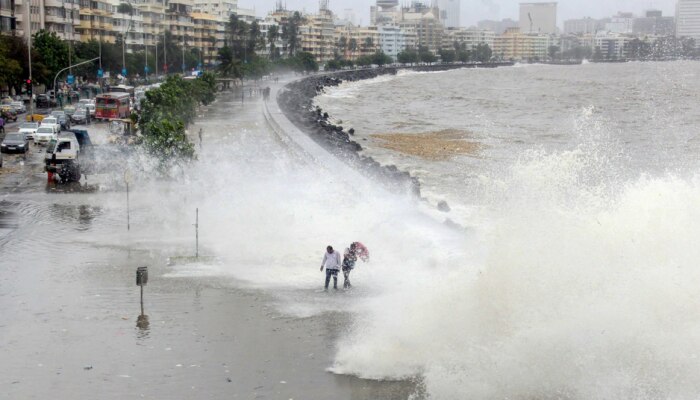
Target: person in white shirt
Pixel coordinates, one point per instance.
(331, 262)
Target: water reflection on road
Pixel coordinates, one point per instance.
(71, 324)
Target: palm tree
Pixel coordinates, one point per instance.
(342, 44)
(272, 35)
(229, 66)
(352, 45)
(368, 44)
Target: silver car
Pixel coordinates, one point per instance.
(29, 129)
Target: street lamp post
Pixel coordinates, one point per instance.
(69, 67)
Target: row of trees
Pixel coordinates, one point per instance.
(661, 49)
(240, 55)
(50, 54)
(167, 110)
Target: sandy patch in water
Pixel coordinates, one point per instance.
(434, 146)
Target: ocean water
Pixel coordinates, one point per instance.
(579, 272)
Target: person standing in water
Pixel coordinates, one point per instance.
(355, 250)
(331, 262)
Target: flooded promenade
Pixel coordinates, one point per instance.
(71, 323)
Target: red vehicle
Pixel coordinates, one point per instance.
(112, 106)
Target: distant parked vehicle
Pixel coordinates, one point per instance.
(14, 143)
(45, 134)
(81, 116)
(19, 107)
(91, 109)
(43, 101)
(52, 122)
(8, 113)
(28, 129)
(63, 119)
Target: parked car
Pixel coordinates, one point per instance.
(81, 116)
(51, 122)
(14, 143)
(91, 109)
(68, 110)
(45, 134)
(8, 113)
(43, 101)
(19, 107)
(29, 129)
(63, 119)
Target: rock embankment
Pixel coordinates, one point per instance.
(297, 104)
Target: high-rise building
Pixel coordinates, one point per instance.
(450, 13)
(582, 26)
(497, 26)
(654, 23)
(7, 16)
(538, 18)
(385, 12)
(688, 19)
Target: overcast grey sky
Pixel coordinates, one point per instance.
(475, 10)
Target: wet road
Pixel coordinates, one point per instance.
(70, 324)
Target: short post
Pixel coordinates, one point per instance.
(196, 229)
(127, 178)
(141, 281)
(128, 217)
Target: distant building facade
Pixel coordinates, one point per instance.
(654, 23)
(450, 13)
(469, 37)
(515, 45)
(688, 19)
(540, 18)
(7, 17)
(583, 26)
(497, 26)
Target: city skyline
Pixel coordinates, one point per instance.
(476, 10)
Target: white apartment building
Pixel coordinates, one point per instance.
(470, 37)
(216, 8)
(621, 23)
(392, 40)
(59, 16)
(611, 45)
(688, 19)
(538, 18)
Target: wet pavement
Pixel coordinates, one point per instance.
(71, 324)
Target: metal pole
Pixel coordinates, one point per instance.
(145, 47)
(29, 47)
(165, 54)
(196, 251)
(128, 217)
(156, 57)
(64, 69)
(141, 299)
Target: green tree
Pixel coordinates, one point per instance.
(448, 56)
(425, 55)
(352, 46)
(553, 52)
(368, 44)
(229, 66)
(290, 33)
(273, 34)
(408, 56)
(51, 56)
(482, 53)
(10, 70)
